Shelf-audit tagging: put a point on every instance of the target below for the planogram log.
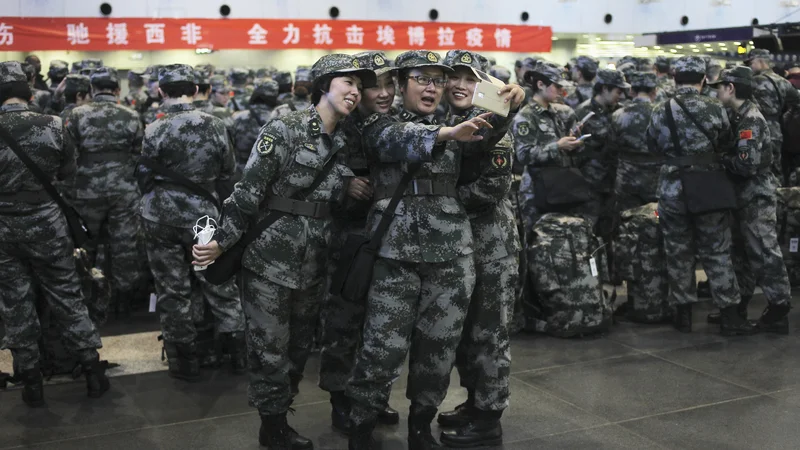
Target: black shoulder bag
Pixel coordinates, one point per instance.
(230, 262)
(353, 275)
(704, 191)
(180, 179)
(78, 229)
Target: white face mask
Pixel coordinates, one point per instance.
(204, 229)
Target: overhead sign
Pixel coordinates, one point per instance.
(108, 34)
(697, 36)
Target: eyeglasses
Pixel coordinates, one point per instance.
(426, 81)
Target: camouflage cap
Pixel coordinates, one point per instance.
(175, 73)
(104, 74)
(760, 53)
(137, 76)
(712, 63)
(376, 61)
(644, 64)
(303, 73)
(239, 75)
(265, 72)
(58, 69)
(501, 73)
(627, 59)
(28, 70)
(643, 79)
(464, 58)
(339, 64)
(152, 72)
(92, 63)
(267, 87)
(738, 74)
(610, 77)
(11, 71)
(587, 63)
(689, 64)
(220, 71)
(283, 78)
(218, 83)
(201, 77)
(76, 66)
(420, 58)
(207, 68)
(76, 82)
(547, 69)
(663, 62)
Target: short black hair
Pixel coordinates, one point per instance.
(204, 88)
(689, 77)
(743, 91)
(72, 96)
(662, 67)
(105, 85)
(15, 89)
(260, 98)
(598, 88)
(587, 74)
(643, 89)
(533, 81)
(179, 89)
(320, 86)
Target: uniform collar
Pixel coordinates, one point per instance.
(686, 90)
(314, 122)
(14, 107)
(179, 107)
(200, 103)
(110, 98)
(408, 116)
(641, 100)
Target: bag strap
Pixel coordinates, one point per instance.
(705, 132)
(256, 231)
(291, 105)
(180, 179)
(38, 173)
(673, 131)
(388, 214)
(777, 91)
(255, 116)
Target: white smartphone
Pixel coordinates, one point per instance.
(486, 97)
(584, 137)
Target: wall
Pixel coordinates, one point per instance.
(565, 16)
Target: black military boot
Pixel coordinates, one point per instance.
(361, 436)
(388, 416)
(234, 344)
(33, 387)
(703, 289)
(775, 319)
(274, 432)
(419, 428)
(299, 442)
(183, 362)
(732, 323)
(483, 430)
(683, 318)
(340, 412)
(206, 349)
(714, 318)
(96, 380)
(461, 415)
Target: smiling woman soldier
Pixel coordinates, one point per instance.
(292, 169)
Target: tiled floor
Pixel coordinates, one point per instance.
(639, 387)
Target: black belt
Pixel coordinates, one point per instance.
(316, 210)
(418, 187)
(694, 160)
(101, 157)
(210, 187)
(33, 197)
(641, 157)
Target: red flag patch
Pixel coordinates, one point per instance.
(746, 134)
(160, 115)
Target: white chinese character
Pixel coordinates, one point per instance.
(154, 33)
(77, 34)
(416, 36)
(322, 34)
(385, 35)
(446, 36)
(6, 35)
(355, 35)
(292, 34)
(475, 37)
(117, 33)
(258, 35)
(502, 37)
(192, 33)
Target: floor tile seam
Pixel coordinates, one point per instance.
(562, 400)
(687, 409)
(559, 366)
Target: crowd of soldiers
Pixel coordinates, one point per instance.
(451, 203)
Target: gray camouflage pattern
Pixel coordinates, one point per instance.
(636, 182)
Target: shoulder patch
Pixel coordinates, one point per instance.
(266, 145)
(746, 134)
(523, 129)
(499, 159)
(314, 126)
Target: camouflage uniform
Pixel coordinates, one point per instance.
(246, 127)
(294, 102)
(666, 84)
(194, 144)
(685, 235)
(424, 274)
(241, 93)
(57, 72)
(756, 250)
(637, 169)
(583, 91)
(136, 96)
(34, 239)
(108, 137)
(284, 269)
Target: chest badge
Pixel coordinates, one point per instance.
(523, 129)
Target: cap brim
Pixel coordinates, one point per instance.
(384, 70)
(624, 86)
(715, 83)
(444, 67)
(367, 76)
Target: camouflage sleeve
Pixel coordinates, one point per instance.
(529, 146)
(138, 134)
(387, 140)
(652, 129)
(747, 156)
(494, 182)
(228, 159)
(69, 163)
(269, 155)
(792, 96)
(491, 136)
(726, 137)
(148, 151)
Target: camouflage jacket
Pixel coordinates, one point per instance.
(245, 131)
(45, 141)
(536, 131)
(566, 114)
(240, 99)
(583, 92)
(752, 152)
(596, 159)
(108, 138)
(219, 112)
(628, 138)
(289, 154)
(300, 104)
(135, 99)
(709, 113)
(484, 183)
(66, 110)
(153, 113)
(774, 103)
(666, 88)
(194, 144)
(426, 228)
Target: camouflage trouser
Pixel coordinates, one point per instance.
(52, 264)
(483, 357)
(169, 250)
(280, 333)
(119, 219)
(756, 252)
(416, 308)
(709, 237)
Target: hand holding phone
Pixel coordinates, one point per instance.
(584, 137)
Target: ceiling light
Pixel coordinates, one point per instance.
(628, 36)
(656, 47)
(672, 50)
(737, 43)
(695, 50)
(586, 35)
(707, 45)
(751, 42)
(555, 38)
(722, 44)
(679, 47)
(709, 49)
(692, 46)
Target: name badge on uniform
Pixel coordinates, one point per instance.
(793, 244)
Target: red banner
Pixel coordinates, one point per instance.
(108, 34)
